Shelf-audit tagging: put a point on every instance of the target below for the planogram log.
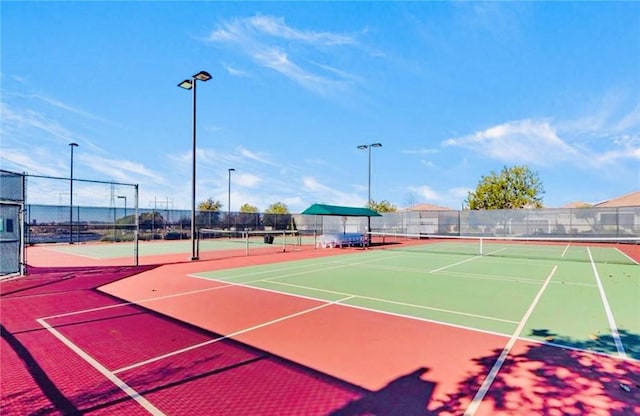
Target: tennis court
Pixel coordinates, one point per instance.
(409, 327)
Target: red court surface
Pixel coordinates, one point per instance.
(73, 344)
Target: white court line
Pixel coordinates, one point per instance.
(489, 318)
(72, 254)
(486, 384)
(626, 255)
(565, 250)
(455, 264)
(103, 370)
(607, 309)
(338, 264)
(233, 334)
(465, 261)
(140, 301)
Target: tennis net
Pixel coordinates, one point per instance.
(618, 250)
(216, 239)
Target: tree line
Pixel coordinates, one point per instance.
(512, 188)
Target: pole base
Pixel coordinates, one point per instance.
(195, 258)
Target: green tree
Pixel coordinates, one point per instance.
(210, 205)
(278, 217)
(149, 220)
(383, 206)
(277, 208)
(248, 209)
(514, 187)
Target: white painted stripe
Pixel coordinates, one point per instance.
(607, 309)
(412, 305)
(590, 352)
(233, 334)
(140, 301)
(455, 264)
(486, 384)
(103, 370)
(626, 255)
(466, 260)
(565, 250)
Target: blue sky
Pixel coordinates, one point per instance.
(453, 91)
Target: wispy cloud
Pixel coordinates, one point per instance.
(30, 162)
(425, 192)
(233, 71)
(268, 40)
(120, 170)
(328, 195)
(59, 104)
(247, 180)
(522, 141)
(246, 153)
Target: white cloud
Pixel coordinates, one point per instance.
(269, 40)
(30, 162)
(523, 141)
(253, 156)
(120, 170)
(425, 192)
(328, 195)
(459, 192)
(247, 180)
(236, 72)
(276, 26)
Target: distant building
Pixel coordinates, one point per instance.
(426, 207)
(628, 200)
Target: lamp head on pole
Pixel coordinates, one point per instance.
(186, 84)
(363, 146)
(376, 145)
(202, 76)
(231, 170)
(73, 144)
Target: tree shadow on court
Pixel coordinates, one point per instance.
(408, 395)
(565, 376)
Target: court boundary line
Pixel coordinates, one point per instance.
(57, 251)
(497, 366)
(627, 256)
(607, 309)
(526, 280)
(109, 375)
(412, 305)
(229, 336)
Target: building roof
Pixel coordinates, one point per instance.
(577, 204)
(628, 200)
(322, 209)
(426, 207)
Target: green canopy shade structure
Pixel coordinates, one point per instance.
(322, 209)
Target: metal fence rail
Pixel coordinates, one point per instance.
(48, 223)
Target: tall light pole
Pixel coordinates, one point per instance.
(190, 84)
(368, 147)
(71, 145)
(229, 199)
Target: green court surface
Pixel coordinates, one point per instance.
(154, 248)
(589, 305)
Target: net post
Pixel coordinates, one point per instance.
(284, 241)
(136, 231)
